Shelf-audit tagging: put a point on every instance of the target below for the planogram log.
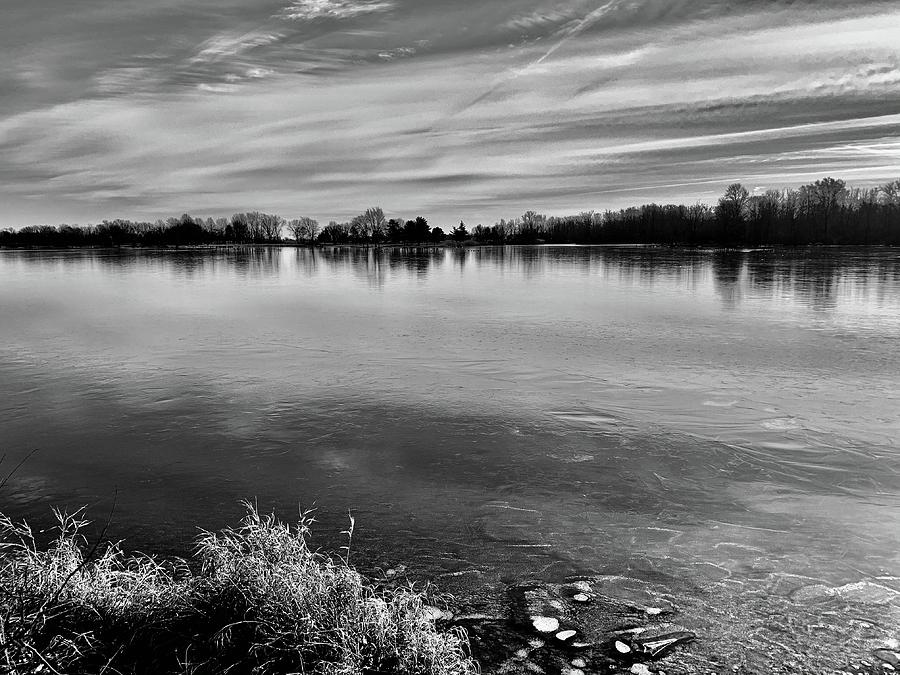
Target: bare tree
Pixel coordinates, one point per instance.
(890, 193)
(730, 212)
(532, 225)
(270, 226)
(254, 223)
(829, 193)
(695, 215)
(358, 231)
(373, 224)
(735, 199)
(310, 228)
(304, 229)
(336, 233)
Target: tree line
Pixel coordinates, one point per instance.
(823, 212)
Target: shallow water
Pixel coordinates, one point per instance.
(714, 423)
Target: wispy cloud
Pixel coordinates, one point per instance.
(310, 10)
(225, 45)
(465, 110)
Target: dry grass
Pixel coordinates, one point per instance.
(261, 602)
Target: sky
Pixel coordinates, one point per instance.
(466, 110)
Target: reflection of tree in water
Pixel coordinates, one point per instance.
(526, 260)
(420, 260)
(822, 279)
(192, 263)
(458, 256)
(816, 281)
(532, 261)
(187, 264)
(255, 262)
(416, 261)
(572, 259)
(813, 279)
(646, 266)
(306, 260)
(818, 278)
(885, 278)
(637, 266)
(375, 264)
(495, 256)
(368, 264)
(727, 267)
(362, 262)
(765, 273)
(334, 258)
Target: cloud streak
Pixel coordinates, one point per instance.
(310, 10)
(464, 110)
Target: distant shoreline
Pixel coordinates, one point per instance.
(736, 248)
(825, 212)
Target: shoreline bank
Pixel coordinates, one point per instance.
(255, 598)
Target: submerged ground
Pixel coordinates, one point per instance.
(703, 432)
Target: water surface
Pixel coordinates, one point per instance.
(723, 425)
